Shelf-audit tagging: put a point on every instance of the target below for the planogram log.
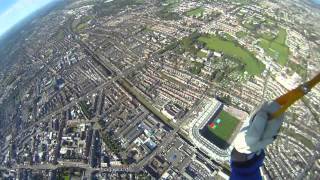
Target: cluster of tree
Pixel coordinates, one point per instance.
(186, 44)
(143, 176)
(169, 47)
(225, 99)
(112, 143)
(167, 15)
(196, 68)
(223, 74)
(166, 12)
(299, 69)
(85, 108)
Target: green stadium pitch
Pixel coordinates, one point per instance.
(225, 127)
(219, 129)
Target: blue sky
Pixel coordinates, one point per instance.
(13, 11)
(317, 1)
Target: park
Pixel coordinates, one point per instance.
(252, 65)
(276, 47)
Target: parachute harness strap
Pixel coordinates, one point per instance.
(286, 100)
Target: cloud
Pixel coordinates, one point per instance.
(18, 11)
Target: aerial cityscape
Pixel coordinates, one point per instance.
(156, 89)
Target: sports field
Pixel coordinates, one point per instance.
(223, 126)
(276, 47)
(252, 65)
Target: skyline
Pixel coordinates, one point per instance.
(12, 12)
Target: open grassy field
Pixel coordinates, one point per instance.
(226, 127)
(242, 1)
(268, 36)
(230, 48)
(241, 34)
(281, 37)
(301, 70)
(79, 25)
(60, 35)
(166, 2)
(202, 54)
(198, 12)
(276, 47)
(140, 1)
(250, 26)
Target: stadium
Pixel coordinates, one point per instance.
(219, 128)
(213, 129)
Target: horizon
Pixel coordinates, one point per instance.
(12, 12)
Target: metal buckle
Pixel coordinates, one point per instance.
(305, 88)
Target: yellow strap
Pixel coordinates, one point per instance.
(292, 96)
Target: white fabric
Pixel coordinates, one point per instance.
(257, 132)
